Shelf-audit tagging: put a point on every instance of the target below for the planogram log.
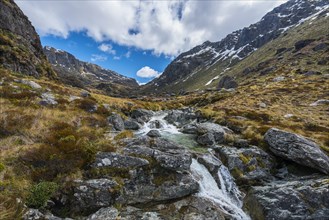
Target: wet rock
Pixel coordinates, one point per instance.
(210, 162)
(131, 124)
(215, 129)
(320, 102)
(181, 117)
(207, 139)
(298, 199)
(141, 189)
(116, 121)
(247, 165)
(48, 99)
(154, 133)
(93, 194)
(109, 213)
(108, 159)
(142, 114)
(296, 148)
(155, 124)
(189, 129)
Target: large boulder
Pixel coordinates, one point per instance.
(48, 99)
(142, 115)
(90, 195)
(208, 129)
(297, 148)
(108, 159)
(207, 140)
(154, 133)
(180, 118)
(247, 165)
(227, 82)
(189, 129)
(298, 199)
(116, 122)
(131, 124)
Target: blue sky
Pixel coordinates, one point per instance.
(138, 37)
(122, 59)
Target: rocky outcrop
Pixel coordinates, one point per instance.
(154, 133)
(142, 115)
(180, 118)
(211, 133)
(247, 165)
(21, 49)
(131, 124)
(296, 148)
(107, 159)
(227, 82)
(298, 199)
(90, 195)
(116, 122)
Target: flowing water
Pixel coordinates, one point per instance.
(227, 196)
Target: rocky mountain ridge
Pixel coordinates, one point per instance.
(237, 45)
(83, 74)
(20, 46)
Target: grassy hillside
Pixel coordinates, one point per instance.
(51, 143)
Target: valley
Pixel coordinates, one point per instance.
(234, 129)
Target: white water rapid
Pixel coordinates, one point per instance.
(227, 197)
(221, 197)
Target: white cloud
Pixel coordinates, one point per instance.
(164, 27)
(147, 72)
(107, 48)
(116, 58)
(128, 54)
(97, 57)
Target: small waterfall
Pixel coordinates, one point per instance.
(228, 198)
(163, 126)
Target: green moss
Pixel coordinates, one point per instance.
(2, 167)
(237, 173)
(40, 193)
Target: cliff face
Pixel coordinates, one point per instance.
(20, 46)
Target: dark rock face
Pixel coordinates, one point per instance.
(247, 165)
(207, 140)
(93, 194)
(142, 115)
(104, 159)
(82, 74)
(298, 199)
(297, 148)
(116, 121)
(131, 124)
(154, 133)
(241, 43)
(16, 30)
(303, 43)
(227, 82)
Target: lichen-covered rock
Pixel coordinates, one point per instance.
(296, 148)
(227, 82)
(109, 213)
(93, 194)
(181, 117)
(298, 199)
(131, 124)
(142, 114)
(189, 129)
(48, 99)
(207, 140)
(210, 162)
(215, 129)
(108, 159)
(116, 121)
(247, 165)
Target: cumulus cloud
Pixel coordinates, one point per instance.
(147, 72)
(107, 48)
(98, 57)
(164, 27)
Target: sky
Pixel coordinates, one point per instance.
(138, 38)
